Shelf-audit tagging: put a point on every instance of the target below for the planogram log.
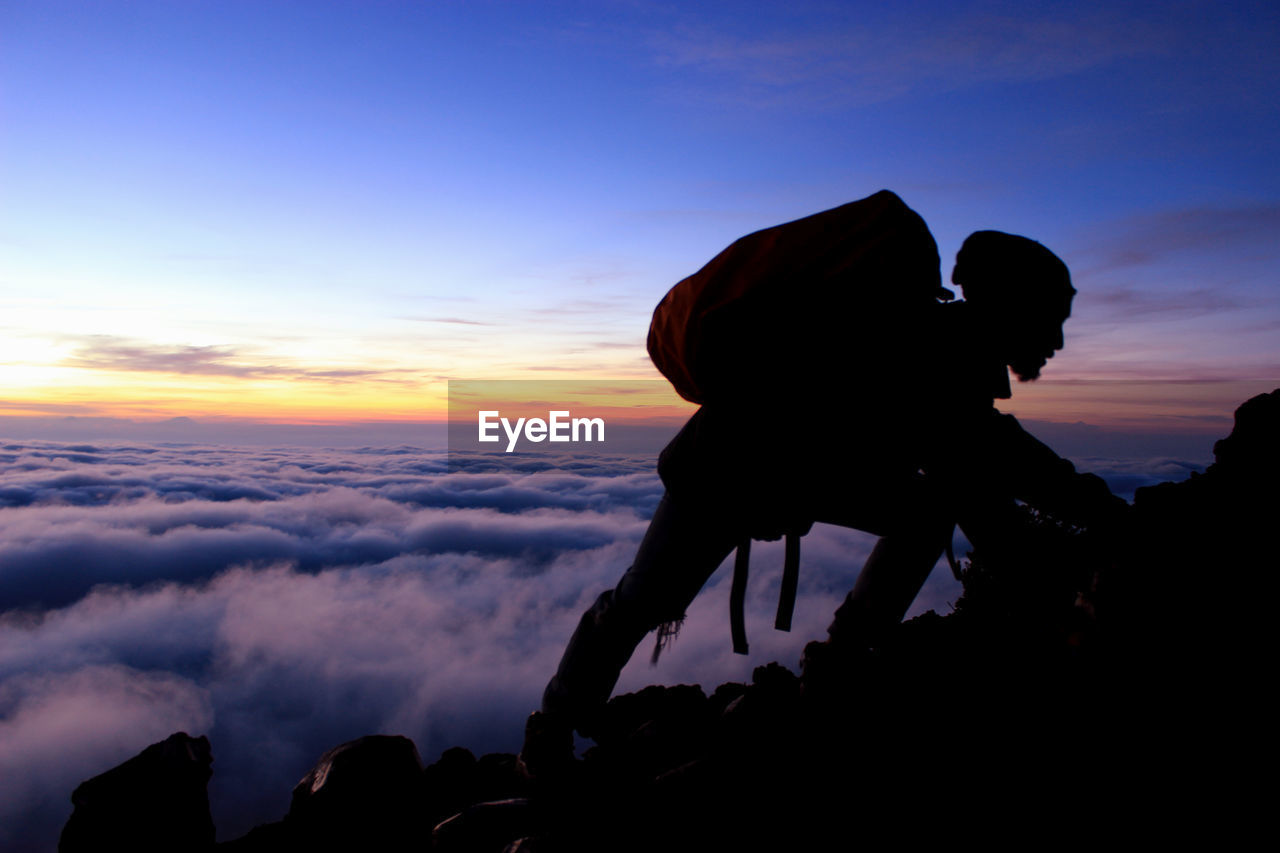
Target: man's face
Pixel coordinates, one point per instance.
(1023, 332)
(1031, 343)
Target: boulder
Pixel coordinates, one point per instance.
(365, 794)
(156, 800)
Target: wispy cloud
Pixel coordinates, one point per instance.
(105, 352)
(457, 321)
(860, 62)
(54, 408)
(1152, 238)
(627, 345)
(1129, 303)
(591, 307)
(108, 352)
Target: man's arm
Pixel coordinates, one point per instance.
(1032, 472)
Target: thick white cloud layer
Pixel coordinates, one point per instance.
(284, 601)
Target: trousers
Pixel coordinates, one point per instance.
(687, 540)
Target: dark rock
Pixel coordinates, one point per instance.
(1202, 554)
(497, 777)
(724, 695)
(775, 679)
(641, 735)
(523, 845)
(265, 838)
(490, 826)
(156, 800)
(450, 784)
(624, 714)
(365, 794)
(1253, 447)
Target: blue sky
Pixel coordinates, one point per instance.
(321, 211)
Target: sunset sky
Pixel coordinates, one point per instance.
(322, 211)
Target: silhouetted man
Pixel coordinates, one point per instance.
(922, 449)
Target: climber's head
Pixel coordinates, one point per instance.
(1020, 293)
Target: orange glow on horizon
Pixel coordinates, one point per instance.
(221, 398)
(1126, 404)
(227, 399)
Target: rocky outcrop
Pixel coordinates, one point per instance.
(1198, 571)
(1096, 684)
(155, 801)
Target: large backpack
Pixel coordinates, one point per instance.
(793, 305)
(789, 301)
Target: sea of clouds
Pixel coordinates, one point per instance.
(284, 600)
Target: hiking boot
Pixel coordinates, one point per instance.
(547, 754)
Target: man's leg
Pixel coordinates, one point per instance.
(889, 582)
(914, 522)
(685, 543)
(902, 559)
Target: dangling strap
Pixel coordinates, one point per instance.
(737, 595)
(790, 579)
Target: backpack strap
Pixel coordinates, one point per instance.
(737, 595)
(786, 595)
(790, 579)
